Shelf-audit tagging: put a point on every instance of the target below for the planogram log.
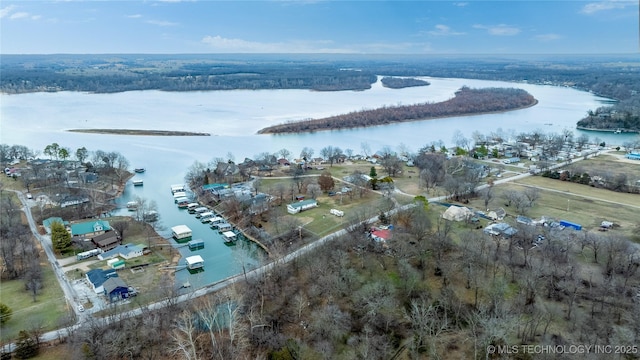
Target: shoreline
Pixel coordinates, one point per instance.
(261, 132)
(138, 132)
(615, 131)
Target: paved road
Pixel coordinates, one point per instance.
(45, 240)
(72, 297)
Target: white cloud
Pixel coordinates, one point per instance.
(460, 4)
(6, 11)
(161, 23)
(592, 8)
(547, 37)
(443, 30)
(499, 30)
(19, 15)
(134, 16)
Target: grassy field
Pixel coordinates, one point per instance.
(568, 203)
(607, 164)
(50, 305)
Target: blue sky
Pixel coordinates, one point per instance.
(280, 26)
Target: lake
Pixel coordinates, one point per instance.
(234, 117)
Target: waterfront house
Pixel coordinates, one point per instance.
(89, 229)
(106, 241)
(127, 251)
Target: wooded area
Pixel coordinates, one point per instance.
(465, 102)
(616, 77)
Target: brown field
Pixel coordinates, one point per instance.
(613, 164)
(575, 203)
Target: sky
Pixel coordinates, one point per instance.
(308, 26)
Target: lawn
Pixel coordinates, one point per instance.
(606, 164)
(567, 204)
(50, 305)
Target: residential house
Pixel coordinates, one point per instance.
(296, 207)
(89, 229)
(283, 162)
(106, 241)
(380, 235)
(127, 251)
(47, 223)
(88, 177)
(72, 200)
(503, 229)
(97, 278)
(115, 289)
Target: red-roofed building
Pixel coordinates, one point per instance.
(380, 234)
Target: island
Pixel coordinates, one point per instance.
(467, 101)
(139, 132)
(392, 82)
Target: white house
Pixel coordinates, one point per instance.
(296, 207)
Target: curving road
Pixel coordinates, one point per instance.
(72, 296)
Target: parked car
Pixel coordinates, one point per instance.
(331, 193)
(80, 308)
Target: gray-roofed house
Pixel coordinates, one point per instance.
(127, 251)
(115, 289)
(106, 241)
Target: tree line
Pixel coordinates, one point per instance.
(433, 291)
(466, 101)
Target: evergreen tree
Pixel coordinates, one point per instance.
(5, 313)
(60, 237)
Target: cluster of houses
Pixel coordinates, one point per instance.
(95, 233)
(105, 244)
(257, 203)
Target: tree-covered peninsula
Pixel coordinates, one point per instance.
(467, 101)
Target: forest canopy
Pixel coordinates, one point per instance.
(467, 101)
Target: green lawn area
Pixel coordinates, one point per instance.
(49, 308)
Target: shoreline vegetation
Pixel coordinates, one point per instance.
(467, 101)
(139, 132)
(616, 131)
